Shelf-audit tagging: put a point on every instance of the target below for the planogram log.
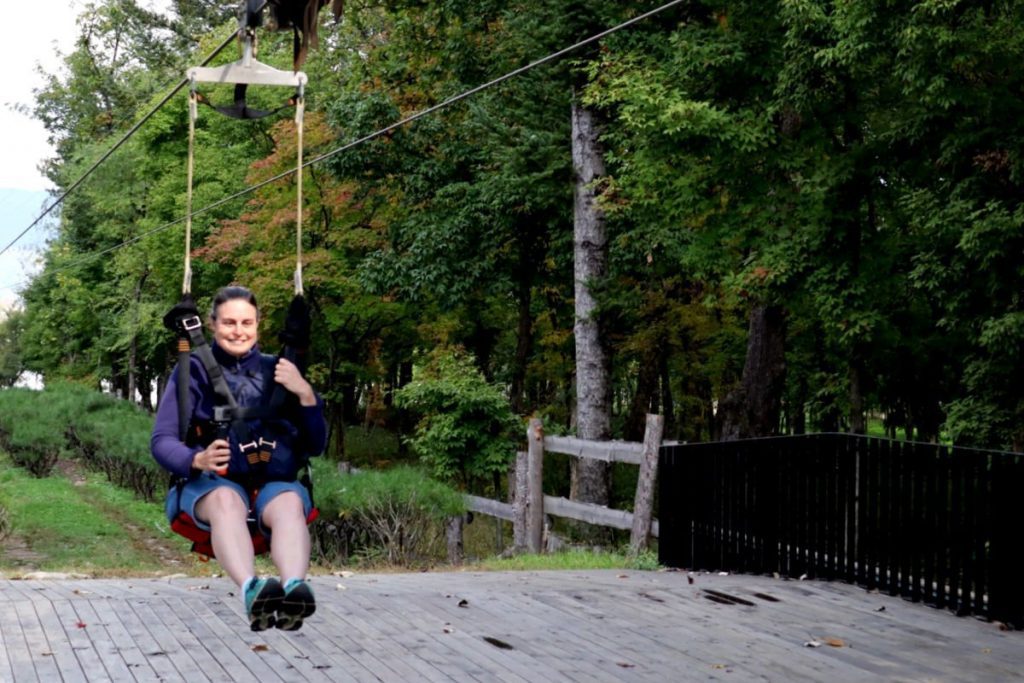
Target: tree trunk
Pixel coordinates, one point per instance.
(753, 408)
(524, 332)
(590, 481)
(858, 422)
(645, 400)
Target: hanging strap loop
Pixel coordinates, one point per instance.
(193, 114)
(300, 110)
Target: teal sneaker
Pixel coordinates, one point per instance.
(297, 604)
(262, 600)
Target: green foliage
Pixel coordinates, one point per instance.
(30, 431)
(11, 363)
(70, 420)
(466, 425)
(395, 516)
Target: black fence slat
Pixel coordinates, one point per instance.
(943, 529)
(933, 523)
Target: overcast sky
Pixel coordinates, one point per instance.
(32, 34)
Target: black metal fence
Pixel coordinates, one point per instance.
(932, 523)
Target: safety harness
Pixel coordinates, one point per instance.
(230, 418)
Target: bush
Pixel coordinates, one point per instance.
(107, 434)
(5, 522)
(396, 516)
(31, 430)
(465, 434)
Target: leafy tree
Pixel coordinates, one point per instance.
(466, 426)
(11, 366)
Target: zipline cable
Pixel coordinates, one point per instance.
(366, 138)
(167, 98)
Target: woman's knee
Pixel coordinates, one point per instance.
(286, 504)
(222, 502)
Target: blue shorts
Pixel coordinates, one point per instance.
(206, 482)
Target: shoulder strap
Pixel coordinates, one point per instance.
(184, 319)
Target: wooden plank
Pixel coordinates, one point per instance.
(395, 631)
(19, 655)
(643, 503)
(593, 514)
(490, 507)
(35, 640)
(607, 451)
(445, 628)
(519, 502)
(535, 486)
(109, 613)
(60, 648)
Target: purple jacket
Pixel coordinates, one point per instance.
(304, 426)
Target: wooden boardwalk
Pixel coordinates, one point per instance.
(520, 627)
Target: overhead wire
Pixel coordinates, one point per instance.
(371, 136)
(124, 138)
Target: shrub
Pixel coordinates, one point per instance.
(466, 428)
(5, 522)
(396, 516)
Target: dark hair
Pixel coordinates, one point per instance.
(229, 293)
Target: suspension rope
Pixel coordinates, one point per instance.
(300, 110)
(193, 114)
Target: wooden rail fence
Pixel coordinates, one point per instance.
(530, 505)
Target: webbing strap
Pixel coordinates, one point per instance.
(186, 285)
(184, 351)
(300, 109)
(241, 110)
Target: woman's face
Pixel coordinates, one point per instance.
(234, 328)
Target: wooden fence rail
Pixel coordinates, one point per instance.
(530, 505)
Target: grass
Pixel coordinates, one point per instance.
(570, 559)
(55, 524)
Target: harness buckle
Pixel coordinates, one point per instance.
(190, 323)
(243, 447)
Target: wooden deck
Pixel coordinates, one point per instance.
(515, 627)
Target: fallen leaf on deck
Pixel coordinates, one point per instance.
(341, 587)
(46, 654)
(881, 609)
(79, 591)
(625, 665)
(986, 650)
(813, 643)
(260, 647)
(623, 576)
(448, 629)
(835, 642)
(463, 602)
(80, 624)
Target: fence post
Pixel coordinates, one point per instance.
(535, 485)
(644, 502)
(453, 535)
(520, 503)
